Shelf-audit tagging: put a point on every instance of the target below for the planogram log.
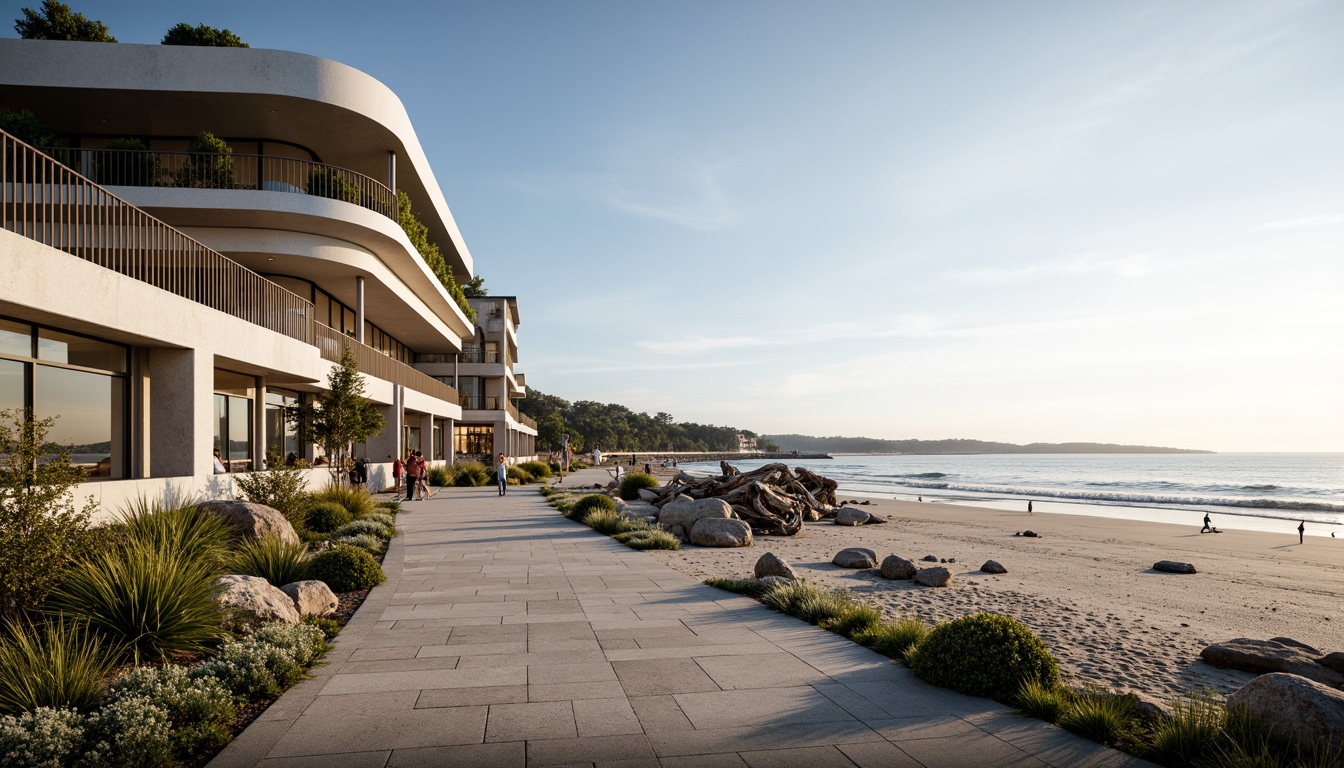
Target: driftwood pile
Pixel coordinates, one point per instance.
(773, 500)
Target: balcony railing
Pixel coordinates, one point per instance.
(204, 170)
(332, 343)
(478, 356)
(520, 418)
(50, 203)
(479, 402)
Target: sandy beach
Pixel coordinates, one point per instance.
(1086, 586)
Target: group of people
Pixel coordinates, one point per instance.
(416, 471)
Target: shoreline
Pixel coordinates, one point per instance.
(1086, 586)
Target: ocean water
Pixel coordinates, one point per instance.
(1256, 491)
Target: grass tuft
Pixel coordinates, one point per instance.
(857, 619)
(1042, 701)
(748, 587)
(896, 639)
(54, 664)
(274, 560)
(1101, 717)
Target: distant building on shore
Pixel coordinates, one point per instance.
(208, 232)
(746, 443)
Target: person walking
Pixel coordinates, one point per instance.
(564, 452)
(424, 475)
(396, 473)
(1208, 524)
(1029, 509)
(412, 468)
(597, 454)
(1301, 531)
(502, 476)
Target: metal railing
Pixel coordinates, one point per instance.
(206, 170)
(527, 420)
(479, 402)
(332, 343)
(478, 356)
(52, 204)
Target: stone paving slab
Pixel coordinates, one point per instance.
(508, 636)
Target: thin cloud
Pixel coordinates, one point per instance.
(1132, 266)
(1302, 222)
(687, 194)
(904, 325)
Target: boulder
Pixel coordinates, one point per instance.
(1333, 661)
(647, 494)
(1263, 657)
(679, 532)
(933, 577)
(685, 513)
(929, 559)
(855, 557)
(250, 601)
(897, 567)
(875, 519)
(992, 566)
(639, 509)
(252, 521)
(848, 516)
(1031, 534)
(1294, 708)
(1171, 566)
(312, 597)
(771, 564)
(721, 532)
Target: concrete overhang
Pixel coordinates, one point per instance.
(344, 116)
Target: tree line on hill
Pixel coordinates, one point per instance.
(617, 428)
(809, 444)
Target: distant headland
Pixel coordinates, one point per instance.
(810, 444)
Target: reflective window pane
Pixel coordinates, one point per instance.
(240, 434)
(16, 339)
(76, 350)
(221, 423)
(13, 382)
(89, 409)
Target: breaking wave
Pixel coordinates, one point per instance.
(1123, 497)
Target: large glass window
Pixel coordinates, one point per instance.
(413, 439)
(282, 438)
(438, 440)
(79, 382)
(234, 393)
(474, 439)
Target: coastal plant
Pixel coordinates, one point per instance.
(593, 502)
(651, 538)
(821, 607)
(389, 507)
(357, 501)
(632, 483)
(273, 559)
(374, 545)
(334, 184)
(521, 476)
(440, 476)
(345, 569)
(895, 639)
(1042, 701)
(418, 234)
(328, 627)
(147, 602)
(177, 526)
(208, 164)
(197, 708)
(857, 619)
(748, 587)
(272, 659)
(607, 521)
(539, 470)
(42, 530)
(282, 488)
(983, 654)
(384, 519)
(786, 598)
(52, 664)
(1192, 731)
(469, 474)
(42, 738)
(367, 525)
(326, 516)
(303, 642)
(1100, 716)
(576, 464)
(128, 733)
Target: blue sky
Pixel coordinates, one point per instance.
(1028, 221)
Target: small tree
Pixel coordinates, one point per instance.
(202, 35)
(475, 288)
(58, 22)
(209, 164)
(24, 126)
(340, 417)
(41, 531)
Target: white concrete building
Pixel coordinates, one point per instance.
(165, 302)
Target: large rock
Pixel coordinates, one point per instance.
(1333, 661)
(1171, 566)
(851, 516)
(771, 564)
(992, 566)
(679, 532)
(933, 577)
(855, 557)
(312, 598)
(685, 513)
(1294, 708)
(252, 521)
(896, 567)
(721, 532)
(648, 494)
(639, 509)
(1263, 657)
(250, 601)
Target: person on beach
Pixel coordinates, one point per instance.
(921, 498)
(1301, 531)
(564, 452)
(597, 454)
(1208, 524)
(1029, 511)
(502, 475)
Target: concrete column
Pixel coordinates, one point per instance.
(359, 309)
(392, 171)
(450, 444)
(426, 435)
(388, 442)
(181, 410)
(260, 440)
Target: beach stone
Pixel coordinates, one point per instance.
(251, 521)
(849, 516)
(1263, 657)
(312, 597)
(895, 567)
(250, 601)
(1333, 661)
(929, 559)
(721, 532)
(1031, 534)
(636, 509)
(992, 566)
(1147, 706)
(875, 519)
(648, 494)
(933, 577)
(679, 532)
(855, 557)
(771, 564)
(685, 513)
(1294, 707)
(1171, 566)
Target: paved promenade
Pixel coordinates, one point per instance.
(507, 635)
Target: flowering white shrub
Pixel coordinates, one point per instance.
(383, 519)
(44, 738)
(365, 526)
(197, 707)
(303, 642)
(241, 669)
(129, 733)
(365, 541)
